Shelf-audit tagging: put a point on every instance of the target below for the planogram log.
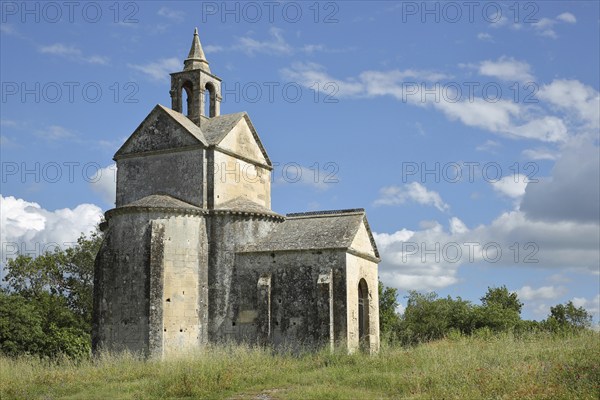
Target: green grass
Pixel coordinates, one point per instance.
(533, 367)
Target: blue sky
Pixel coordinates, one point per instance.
(468, 131)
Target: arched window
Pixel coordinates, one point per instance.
(363, 311)
(210, 100)
(186, 106)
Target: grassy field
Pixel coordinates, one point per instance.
(534, 367)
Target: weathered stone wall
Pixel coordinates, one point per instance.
(235, 177)
(121, 285)
(358, 268)
(185, 283)
(150, 283)
(179, 174)
(226, 232)
(304, 304)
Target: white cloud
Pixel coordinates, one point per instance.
(512, 186)
(495, 117)
(55, 132)
(506, 68)
(546, 129)
(544, 27)
(415, 192)
(210, 48)
(540, 153)
(528, 293)
(555, 226)
(403, 265)
(104, 182)
(169, 13)
(276, 44)
(484, 36)
(158, 70)
(315, 178)
(60, 49)
(590, 305)
(72, 52)
(489, 145)
(368, 83)
(430, 258)
(567, 17)
(30, 229)
(573, 96)
(457, 226)
(503, 116)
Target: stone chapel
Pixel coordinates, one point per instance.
(193, 253)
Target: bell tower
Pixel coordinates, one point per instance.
(202, 89)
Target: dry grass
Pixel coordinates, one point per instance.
(534, 367)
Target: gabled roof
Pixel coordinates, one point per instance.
(187, 123)
(195, 135)
(215, 129)
(315, 230)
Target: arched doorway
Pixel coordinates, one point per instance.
(363, 312)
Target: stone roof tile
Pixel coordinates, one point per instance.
(318, 230)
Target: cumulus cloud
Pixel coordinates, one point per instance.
(556, 226)
(104, 182)
(413, 192)
(512, 186)
(590, 305)
(572, 96)
(573, 191)
(528, 293)
(30, 229)
(429, 258)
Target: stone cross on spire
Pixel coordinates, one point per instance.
(196, 58)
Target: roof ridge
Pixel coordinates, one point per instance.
(183, 120)
(326, 213)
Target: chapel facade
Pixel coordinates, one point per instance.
(194, 254)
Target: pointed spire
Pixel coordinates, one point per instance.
(196, 58)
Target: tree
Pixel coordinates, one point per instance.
(46, 308)
(501, 297)
(500, 310)
(567, 316)
(66, 273)
(428, 317)
(389, 320)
